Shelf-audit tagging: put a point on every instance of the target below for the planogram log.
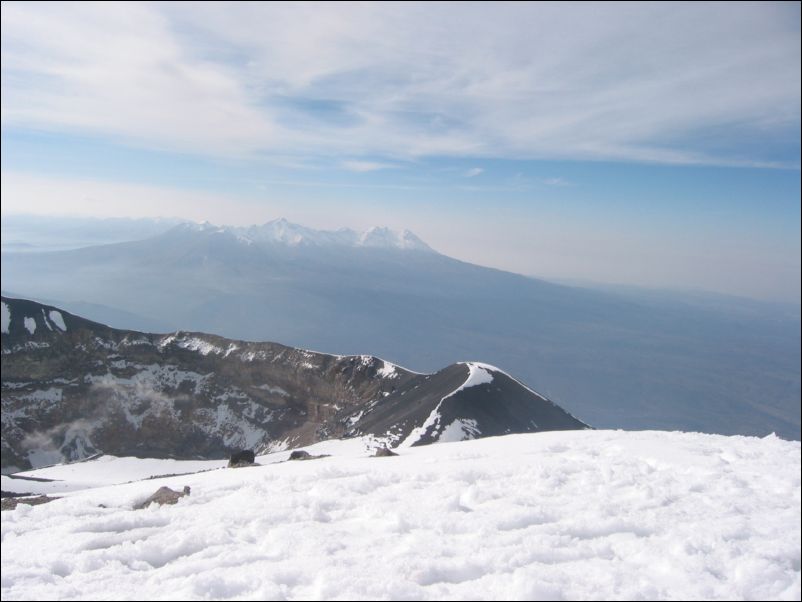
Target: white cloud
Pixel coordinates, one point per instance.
(366, 166)
(643, 82)
(558, 182)
(117, 69)
(473, 172)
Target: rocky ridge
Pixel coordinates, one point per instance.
(72, 388)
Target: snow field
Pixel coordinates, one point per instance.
(559, 515)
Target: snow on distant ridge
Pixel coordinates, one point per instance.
(283, 232)
(479, 375)
(58, 320)
(387, 370)
(390, 239)
(557, 515)
(30, 324)
(5, 318)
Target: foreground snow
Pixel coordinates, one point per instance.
(581, 514)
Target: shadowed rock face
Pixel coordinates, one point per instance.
(72, 388)
(241, 458)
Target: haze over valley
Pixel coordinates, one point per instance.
(401, 301)
(617, 360)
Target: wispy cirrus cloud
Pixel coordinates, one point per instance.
(687, 83)
(558, 182)
(366, 166)
(473, 172)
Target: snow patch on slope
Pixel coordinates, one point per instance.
(460, 430)
(478, 374)
(199, 345)
(26, 346)
(58, 319)
(387, 370)
(50, 395)
(100, 472)
(5, 317)
(30, 325)
(272, 389)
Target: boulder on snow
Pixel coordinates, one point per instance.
(164, 495)
(242, 458)
(383, 452)
(9, 503)
(300, 454)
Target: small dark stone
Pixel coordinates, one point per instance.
(164, 495)
(299, 454)
(241, 458)
(383, 452)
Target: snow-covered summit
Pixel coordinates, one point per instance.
(573, 515)
(390, 239)
(282, 232)
(204, 226)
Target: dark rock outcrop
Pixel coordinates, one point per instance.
(10, 503)
(245, 457)
(163, 495)
(73, 388)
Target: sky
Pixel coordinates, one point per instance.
(648, 144)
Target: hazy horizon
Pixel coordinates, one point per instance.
(589, 282)
(652, 145)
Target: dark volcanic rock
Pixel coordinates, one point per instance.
(11, 503)
(245, 457)
(300, 454)
(7, 494)
(73, 388)
(163, 495)
(464, 401)
(383, 452)
(86, 387)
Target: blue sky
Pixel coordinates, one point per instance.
(654, 144)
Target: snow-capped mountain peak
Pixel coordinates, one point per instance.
(279, 231)
(383, 237)
(283, 232)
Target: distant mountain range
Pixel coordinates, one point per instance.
(72, 388)
(617, 360)
(283, 233)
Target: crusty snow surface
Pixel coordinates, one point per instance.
(558, 515)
